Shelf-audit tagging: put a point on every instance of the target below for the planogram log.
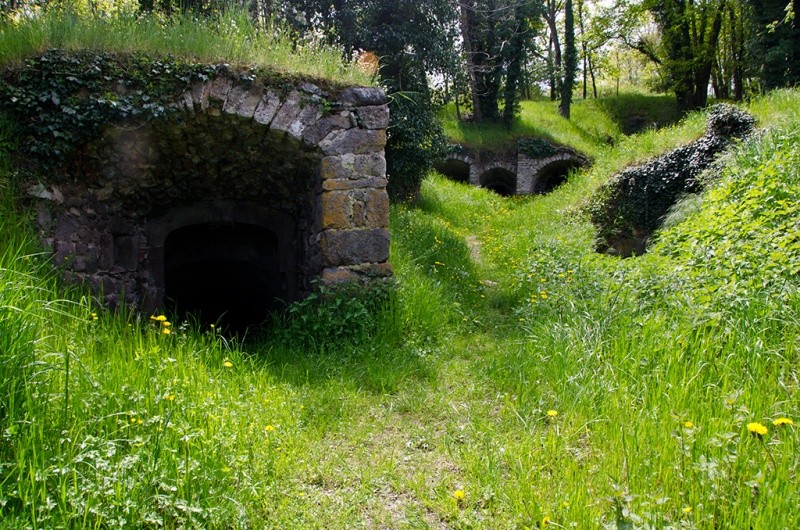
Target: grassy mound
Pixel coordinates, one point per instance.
(230, 37)
(515, 378)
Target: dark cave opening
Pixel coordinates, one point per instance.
(499, 180)
(455, 169)
(554, 175)
(226, 274)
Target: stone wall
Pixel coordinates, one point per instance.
(530, 171)
(305, 164)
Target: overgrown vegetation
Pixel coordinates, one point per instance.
(228, 37)
(514, 379)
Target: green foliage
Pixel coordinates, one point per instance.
(334, 316)
(229, 37)
(536, 147)
(415, 141)
(72, 94)
(746, 236)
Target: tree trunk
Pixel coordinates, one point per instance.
(465, 21)
(570, 60)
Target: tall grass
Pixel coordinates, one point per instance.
(517, 380)
(229, 37)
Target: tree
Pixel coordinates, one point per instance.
(497, 37)
(570, 60)
(690, 34)
(775, 47)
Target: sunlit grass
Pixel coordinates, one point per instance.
(518, 378)
(229, 37)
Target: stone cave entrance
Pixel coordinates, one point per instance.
(232, 275)
(499, 180)
(554, 175)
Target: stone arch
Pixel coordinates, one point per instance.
(499, 179)
(553, 174)
(455, 167)
(299, 176)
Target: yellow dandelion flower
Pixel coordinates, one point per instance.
(171, 397)
(166, 323)
(166, 331)
(269, 428)
(227, 364)
(687, 510)
(139, 421)
(688, 424)
(552, 413)
(94, 316)
(545, 521)
(459, 495)
(782, 421)
(158, 318)
(133, 420)
(756, 429)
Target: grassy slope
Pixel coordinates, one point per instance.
(503, 313)
(595, 123)
(229, 38)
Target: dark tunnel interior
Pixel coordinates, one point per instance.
(224, 274)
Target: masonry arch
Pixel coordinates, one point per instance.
(553, 175)
(455, 169)
(500, 180)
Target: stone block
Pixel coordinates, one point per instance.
(353, 184)
(234, 100)
(200, 95)
(126, 252)
(266, 109)
(337, 210)
(376, 208)
(350, 166)
(314, 133)
(106, 252)
(353, 247)
(353, 141)
(286, 115)
(374, 117)
(359, 273)
(218, 92)
(363, 96)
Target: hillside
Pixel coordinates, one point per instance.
(514, 378)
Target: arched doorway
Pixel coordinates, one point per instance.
(455, 169)
(500, 181)
(224, 273)
(553, 175)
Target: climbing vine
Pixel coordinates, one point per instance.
(60, 99)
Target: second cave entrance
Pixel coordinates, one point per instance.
(228, 274)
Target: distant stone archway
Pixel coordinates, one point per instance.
(455, 168)
(500, 180)
(553, 175)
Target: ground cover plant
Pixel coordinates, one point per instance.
(515, 379)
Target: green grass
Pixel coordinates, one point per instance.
(229, 37)
(594, 123)
(502, 313)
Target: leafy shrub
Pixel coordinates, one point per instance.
(628, 208)
(72, 94)
(415, 141)
(334, 315)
